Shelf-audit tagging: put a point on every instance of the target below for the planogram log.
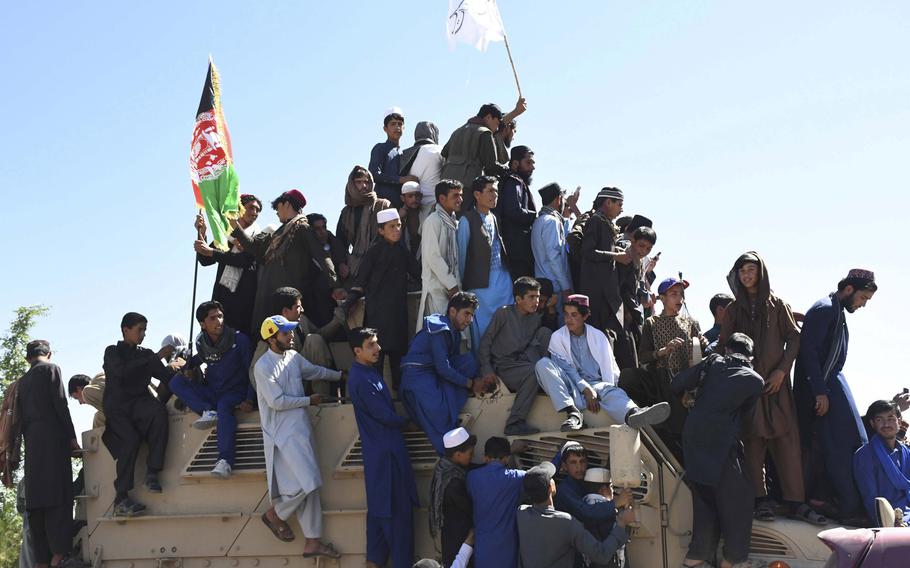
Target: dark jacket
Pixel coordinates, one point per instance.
(477, 260)
(713, 427)
(299, 266)
(238, 305)
(516, 212)
(550, 538)
(47, 430)
(599, 279)
(383, 278)
(471, 152)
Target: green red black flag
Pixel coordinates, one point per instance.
(212, 172)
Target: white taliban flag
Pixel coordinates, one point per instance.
(476, 22)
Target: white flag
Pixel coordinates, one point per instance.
(476, 22)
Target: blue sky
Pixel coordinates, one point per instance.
(780, 127)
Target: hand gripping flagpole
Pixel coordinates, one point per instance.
(201, 236)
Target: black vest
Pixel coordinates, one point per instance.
(477, 259)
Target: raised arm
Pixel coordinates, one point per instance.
(270, 391)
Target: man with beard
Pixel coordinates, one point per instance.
(439, 252)
(424, 161)
(332, 248)
(385, 159)
(292, 469)
(310, 341)
(600, 275)
(772, 427)
(235, 281)
(882, 467)
(291, 256)
(516, 211)
(213, 391)
(436, 376)
(357, 223)
(50, 439)
(471, 151)
(410, 225)
(482, 259)
(829, 422)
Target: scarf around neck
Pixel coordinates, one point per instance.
(450, 249)
(898, 480)
(283, 237)
(837, 338)
(358, 217)
(212, 353)
(445, 471)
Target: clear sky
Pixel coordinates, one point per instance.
(776, 126)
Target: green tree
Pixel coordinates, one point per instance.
(13, 366)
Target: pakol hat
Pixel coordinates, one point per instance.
(410, 187)
(273, 324)
(549, 192)
(536, 482)
(387, 215)
(668, 283)
(597, 475)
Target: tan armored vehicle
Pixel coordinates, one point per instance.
(200, 521)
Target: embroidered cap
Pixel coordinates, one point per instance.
(274, 324)
(580, 299)
(861, 274)
(387, 215)
(671, 282)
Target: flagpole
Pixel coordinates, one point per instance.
(512, 63)
(505, 39)
(201, 237)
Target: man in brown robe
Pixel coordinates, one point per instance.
(772, 427)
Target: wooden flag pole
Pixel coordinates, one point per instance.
(509, 52)
(505, 39)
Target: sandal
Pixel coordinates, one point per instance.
(763, 512)
(805, 513)
(325, 549)
(281, 531)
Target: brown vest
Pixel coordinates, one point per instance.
(477, 259)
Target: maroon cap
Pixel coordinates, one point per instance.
(295, 196)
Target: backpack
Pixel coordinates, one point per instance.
(10, 434)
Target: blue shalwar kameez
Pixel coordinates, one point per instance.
(498, 292)
(434, 378)
(822, 354)
(389, 478)
(496, 492)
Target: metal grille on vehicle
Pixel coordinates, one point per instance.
(423, 456)
(249, 453)
(597, 445)
(769, 545)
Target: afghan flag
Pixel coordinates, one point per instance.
(211, 162)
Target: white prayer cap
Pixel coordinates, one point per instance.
(597, 475)
(410, 187)
(174, 340)
(387, 215)
(456, 437)
(392, 110)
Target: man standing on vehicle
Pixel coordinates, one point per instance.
(724, 390)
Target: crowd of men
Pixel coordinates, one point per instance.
(513, 296)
